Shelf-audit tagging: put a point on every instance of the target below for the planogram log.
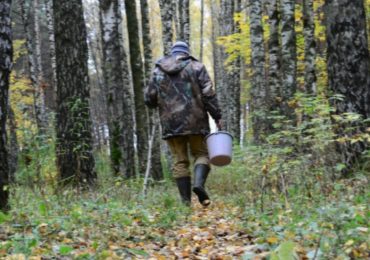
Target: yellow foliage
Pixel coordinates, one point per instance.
(19, 49)
(21, 101)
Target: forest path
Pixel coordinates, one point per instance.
(214, 232)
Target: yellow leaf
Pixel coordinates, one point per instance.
(349, 242)
(204, 251)
(272, 240)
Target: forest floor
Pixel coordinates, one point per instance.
(164, 229)
(118, 222)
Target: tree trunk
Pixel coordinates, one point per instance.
(50, 24)
(156, 166)
(258, 90)
(25, 13)
(39, 70)
(201, 30)
(116, 75)
(235, 84)
(348, 64)
(6, 54)
(167, 14)
(216, 49)
(141, 113)
(12, 145)
(75, 161)
(226, 80)
(184, 21)
(274, 82)
(309, 47)
(288, 56)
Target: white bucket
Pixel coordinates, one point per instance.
(220, 148)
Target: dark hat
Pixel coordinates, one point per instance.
(180, 47)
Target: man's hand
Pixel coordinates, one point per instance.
(219, 124)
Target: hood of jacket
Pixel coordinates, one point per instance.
(174, 64)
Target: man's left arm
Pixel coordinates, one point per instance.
(150, 92)
(208, 94)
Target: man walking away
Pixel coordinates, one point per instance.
(181, 89)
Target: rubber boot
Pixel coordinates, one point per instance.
(184, 185)
(200, 176)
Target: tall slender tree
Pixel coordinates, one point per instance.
(42, 118)
(225, 17)
(258, 90)
(309, 47)
(156, 169)
(348, 64)
(167, 17)
(137, 69)
(50, 26)
(116, 75)
(288, 55)
(75, 161)
(26, 11)
(216, 49)
(201, 30)
(235, 84)
(6, 54)
(184, 21)
(274, 77)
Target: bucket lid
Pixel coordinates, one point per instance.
(219, 132)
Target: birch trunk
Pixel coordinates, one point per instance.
(75, 161)
(167, 14)
(274, 82)
(226, 84)
(156, 166)
(201, 30)
(6, 54)
(258, 90)
(50, 25)
(185, 21)
(235, 85)
(25, 13)
(288, 55)
(42, 117)
(13, 145)
(309, 47)
(137, 69)
(116, 75)
(348, 64)
(216, 49)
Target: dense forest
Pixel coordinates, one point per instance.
(85, 174)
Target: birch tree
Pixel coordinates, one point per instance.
(274, 56)
(309, 47)
(50, 26)
(137, 69)
(201, 30)
(226, 27)
(38, 104)
(183, 33)
(116, 75)
(258, 89)
(167, 17)
(235, 84)
(40, 98)
(75, 161)
(156, 166)
(288, 55)
(348, 64)
(6, 53)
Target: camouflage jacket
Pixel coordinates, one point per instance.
(183, 92)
